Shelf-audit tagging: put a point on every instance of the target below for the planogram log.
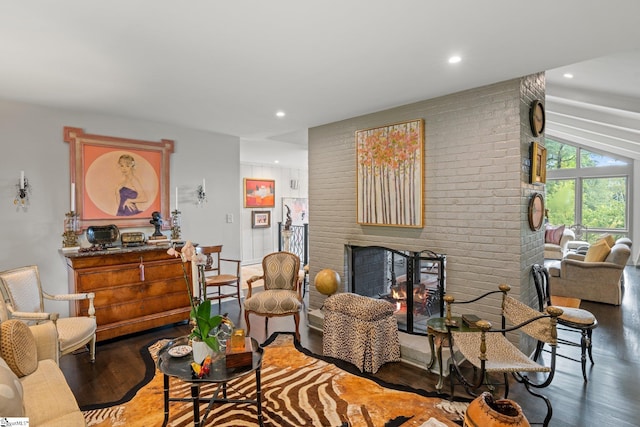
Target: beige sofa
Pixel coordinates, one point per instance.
(591, 281)
(29, 362)
(553, 251)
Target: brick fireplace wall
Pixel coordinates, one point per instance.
(476, 191)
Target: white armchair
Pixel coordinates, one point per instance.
(553, 250)
(24, 298)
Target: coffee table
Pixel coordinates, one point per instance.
(180, 367)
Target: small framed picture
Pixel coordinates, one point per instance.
(538, 164)
(260, 219)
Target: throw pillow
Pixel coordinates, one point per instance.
(18, 347)
(553, 234)
(607, 238)
(597, 252)
(10, 392)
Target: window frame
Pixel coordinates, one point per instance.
(578, 174)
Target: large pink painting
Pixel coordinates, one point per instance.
(118, 180)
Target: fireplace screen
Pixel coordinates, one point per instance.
(413, 281)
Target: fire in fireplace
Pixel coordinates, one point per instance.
(380, 272)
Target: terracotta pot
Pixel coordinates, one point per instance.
(484, 411)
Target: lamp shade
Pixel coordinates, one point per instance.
(327, 281)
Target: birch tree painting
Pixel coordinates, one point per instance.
(389, 173)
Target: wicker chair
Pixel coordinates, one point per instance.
(281, 295)
(490, 352)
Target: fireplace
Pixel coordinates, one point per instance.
(413, 281)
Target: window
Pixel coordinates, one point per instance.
(588, 188)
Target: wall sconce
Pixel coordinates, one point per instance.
(293, 184)
(24, 190)
(201, 193)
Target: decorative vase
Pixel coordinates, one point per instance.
(327, 281)
(201, 350)
(286, 239)
(485, 411)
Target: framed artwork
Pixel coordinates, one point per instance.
(259, 193)
(299, 208)
(118, 180)
(538, 164)
(260, 219)
(389, 171)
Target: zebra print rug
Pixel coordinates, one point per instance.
(299, 389)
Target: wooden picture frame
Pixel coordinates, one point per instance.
(259, 193)
(118, 181)
(260, 219)
(390, 175)
(538, 164)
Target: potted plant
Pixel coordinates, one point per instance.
(204, 334)
(205, 328)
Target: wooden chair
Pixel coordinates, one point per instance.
(213, 278)
(24, 299)
(573, 319)
(281, 295)
(490, 352)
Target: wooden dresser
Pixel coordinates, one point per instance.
(127, 301)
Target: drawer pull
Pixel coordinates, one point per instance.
(141, 267)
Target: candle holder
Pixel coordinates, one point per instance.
(70, 237)
(175, 224)
(201, 195)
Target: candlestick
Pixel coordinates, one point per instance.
(204, 189)
(73, 197)
(22, 180)
(176, 198)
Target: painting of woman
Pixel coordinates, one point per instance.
(129, 190)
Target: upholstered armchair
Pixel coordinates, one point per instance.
(555, 241)
(590, 280)
(24, 298)
(282, 291)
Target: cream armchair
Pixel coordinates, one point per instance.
(24, 298)
(554, 251)
(591, 281)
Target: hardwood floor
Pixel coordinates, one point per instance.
(609, 398)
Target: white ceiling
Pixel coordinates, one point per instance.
(228, 66)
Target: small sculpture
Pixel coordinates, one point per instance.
(156, 220)
(287, 224)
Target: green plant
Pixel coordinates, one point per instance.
(205, 324)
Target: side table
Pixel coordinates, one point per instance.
(438, 335)
(180, 368)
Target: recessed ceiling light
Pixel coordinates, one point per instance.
(568, 75)
(276, 161)
(280, 114)
(454, 59)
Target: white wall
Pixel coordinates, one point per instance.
(258, 242)
(31, 139)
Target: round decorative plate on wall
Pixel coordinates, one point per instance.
(536, 117)
(536, 211)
